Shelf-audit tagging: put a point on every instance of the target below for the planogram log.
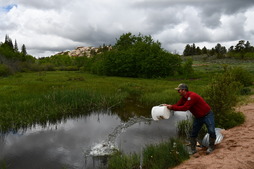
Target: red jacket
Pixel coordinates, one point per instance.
(194, 103)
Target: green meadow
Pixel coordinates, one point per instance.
(46, 97)
(41, 97)
(49, 96)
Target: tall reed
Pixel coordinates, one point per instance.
(163, 155)
(22, 110)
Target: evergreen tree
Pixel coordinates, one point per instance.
(247, 46)
(193, 49)
(6, 39)
(187, 50)
(220, 51)
(231, 49)
(8, 42)
(198, 51)
(212, 52)
(16, 47)
(204, 50)
(23, 50)
(240, 46)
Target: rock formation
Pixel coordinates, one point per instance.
(85, 51)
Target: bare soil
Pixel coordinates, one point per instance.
(236, 151)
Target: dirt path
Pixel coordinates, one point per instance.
(236, 151)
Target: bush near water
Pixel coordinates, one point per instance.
(164, 155)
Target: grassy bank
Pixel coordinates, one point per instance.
(41, 97)
(165, 155)
(30, 98)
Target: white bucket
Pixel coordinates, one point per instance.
(160, 112)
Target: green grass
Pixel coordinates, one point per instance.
(30, 98)
(164, 155)
(41, 97)
(212, 65)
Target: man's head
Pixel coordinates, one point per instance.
(182, 86)
(182, 89)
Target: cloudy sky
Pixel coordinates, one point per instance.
(50, 26)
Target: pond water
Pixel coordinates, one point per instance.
(80, 143)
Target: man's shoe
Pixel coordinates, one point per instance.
(209, 150)
(191, 152)
(193, 144)
(211, 145)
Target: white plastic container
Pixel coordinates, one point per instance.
(219, 137)
(160, 112)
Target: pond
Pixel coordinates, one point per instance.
(81, 143)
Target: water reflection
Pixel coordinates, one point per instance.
(65, 144)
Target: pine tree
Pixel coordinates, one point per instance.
(204, 50)
(8, 41)
(16, 49)
(187, 50)
(198, 51)
(247, 46)
(193, 49)
(23, 50)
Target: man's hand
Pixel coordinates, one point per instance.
(169, 106)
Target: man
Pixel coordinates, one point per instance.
(202, 115)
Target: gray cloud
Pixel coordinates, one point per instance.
(46, 4)
(53, 26)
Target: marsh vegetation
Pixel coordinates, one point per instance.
(49, 90)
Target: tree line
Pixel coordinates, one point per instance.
(11, 59)
(131, 56)
(242, 50)
(10, 50)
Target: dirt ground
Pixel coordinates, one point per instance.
(236, 151)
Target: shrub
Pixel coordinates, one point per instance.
(184, 128)
(233, 119)
(187, 68)
(47, 67)
(245, 91)
(222, 95)
(123, 161)
(249, 55)
(136, 56)
(241, 75)
(28, 67)
(163, 155)
(4, 70)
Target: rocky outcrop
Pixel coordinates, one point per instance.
(86, 51)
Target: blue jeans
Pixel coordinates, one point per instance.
(208, 120)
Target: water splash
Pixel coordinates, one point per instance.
(108, 146)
